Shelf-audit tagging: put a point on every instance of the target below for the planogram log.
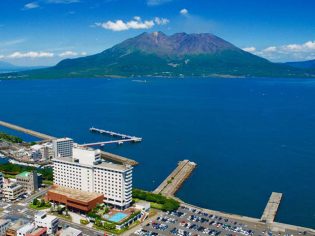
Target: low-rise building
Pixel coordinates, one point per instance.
(47, 221)
(29, 180)
(12, 191)
(38, 232)
(4, 225)
(25, 229)
(74, 199)
(71, 232)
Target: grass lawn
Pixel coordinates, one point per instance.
(48, 182)
(37, 207)
(62, 216)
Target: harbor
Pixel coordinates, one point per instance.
(105, 155)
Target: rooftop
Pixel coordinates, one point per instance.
(107, 165)
(75, 194)
(24, 174)
(70, 232)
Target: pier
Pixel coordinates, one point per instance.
(106, 155)
(271, 208)
(118, 159)
(27, 131)
(121, 141)
(174, 181)
(111, 133)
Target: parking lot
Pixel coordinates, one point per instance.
(188, 221)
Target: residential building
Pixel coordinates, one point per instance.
(74, 199)
(4, 225)
(71, 232)
(29, 180)
(12, 191)
(47, 221)
(63, 147)
(25, 229)
(87, 172)
(44, 151)
(38, 232)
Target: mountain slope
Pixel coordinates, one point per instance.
(156, 54)
(302, 64)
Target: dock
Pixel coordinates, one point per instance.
(271, 209)
(27, 131)
(118, 159)
(106, 155)
(174, 181)
(121, 141)
(111, 133)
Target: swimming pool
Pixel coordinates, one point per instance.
(119, 216)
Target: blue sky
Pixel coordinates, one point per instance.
(43, 32)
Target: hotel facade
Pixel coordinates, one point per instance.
(86, 171)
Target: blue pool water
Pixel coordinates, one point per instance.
(249, 137)
(119, 216)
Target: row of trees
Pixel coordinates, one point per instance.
(14, 169)
(10, 138)
(168, 204)
(40, 203)
(105, 225)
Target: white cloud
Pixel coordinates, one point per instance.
(288, 52)
(270, 49)
(71, 54)
(31, 5)
(250, 49)
(184, 11)
(120, 25)
(62, 1)
(161, 21)
(32, 54)
(157, 2)
(11, 42)
(1, 56)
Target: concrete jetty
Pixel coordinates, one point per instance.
(27, 131)
(115, 134)
(173, 182)
(271, 208)
(118, 159)
(121, 141)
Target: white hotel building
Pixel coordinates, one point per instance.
(86, 171)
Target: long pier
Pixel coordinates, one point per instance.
(27, 131)
(111, 133)
(121, 141)
(173, 182)
(105, 155)
(271, 208)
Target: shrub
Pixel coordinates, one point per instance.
(168, 204)
(84, 222)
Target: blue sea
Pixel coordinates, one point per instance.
(249, 137)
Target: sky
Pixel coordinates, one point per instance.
(43, 32)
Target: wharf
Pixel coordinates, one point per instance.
(271, 208)
(27, 131)
(174, 181)
(111, 133)
(118, 159)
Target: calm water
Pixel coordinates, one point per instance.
(249, 137)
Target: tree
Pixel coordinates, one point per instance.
(35, 201)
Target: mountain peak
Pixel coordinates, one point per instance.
(176, 45)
